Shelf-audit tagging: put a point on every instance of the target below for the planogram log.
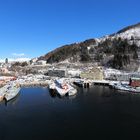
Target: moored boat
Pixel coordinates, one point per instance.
(125, 87)
(72, 91)
(12, 92)
(9, 91)
(63, 88)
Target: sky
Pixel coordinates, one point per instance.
(31, 28)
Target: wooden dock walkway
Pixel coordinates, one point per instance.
(101, 82)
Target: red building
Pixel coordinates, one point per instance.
(134, 82)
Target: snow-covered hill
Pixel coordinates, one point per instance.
(131, 33)
(118, 50)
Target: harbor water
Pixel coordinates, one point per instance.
(94, 113)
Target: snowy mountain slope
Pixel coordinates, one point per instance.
(130, 33)
(119, 50)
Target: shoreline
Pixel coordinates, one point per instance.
(45, 83)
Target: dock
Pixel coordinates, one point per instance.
(88, 83)
(82, 83)
(101, 82)
(107, 82)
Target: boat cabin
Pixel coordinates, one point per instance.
(134, 82)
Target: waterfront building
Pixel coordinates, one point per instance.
(57, 73)
(96, 73)
(74, 72)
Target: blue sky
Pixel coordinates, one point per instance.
(30, 28)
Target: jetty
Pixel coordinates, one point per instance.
(101, 82)
(82, 83)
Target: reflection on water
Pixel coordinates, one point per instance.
(94, 113)
(52, 93)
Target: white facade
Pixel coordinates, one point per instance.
(41, 62)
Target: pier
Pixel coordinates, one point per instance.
(82, 83)
(101, 82)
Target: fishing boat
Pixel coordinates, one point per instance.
(63, 88)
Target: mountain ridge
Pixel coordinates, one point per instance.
(104, 50)
(129, 27)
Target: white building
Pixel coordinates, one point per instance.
(74, 73)
(41, 62)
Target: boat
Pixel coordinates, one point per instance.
(12, 92)
(62, 88)
(72, 91)
(125, 87)
(52, 86)
(9, 91)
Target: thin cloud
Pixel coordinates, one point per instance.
(18, 54)
(15, 60)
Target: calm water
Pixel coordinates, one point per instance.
(97, 113)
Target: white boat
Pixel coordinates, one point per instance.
(61, 91)
(72, 91)
(52, 86)
(9, 91)
(125, 87)
(63, 88)
(12, 92)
